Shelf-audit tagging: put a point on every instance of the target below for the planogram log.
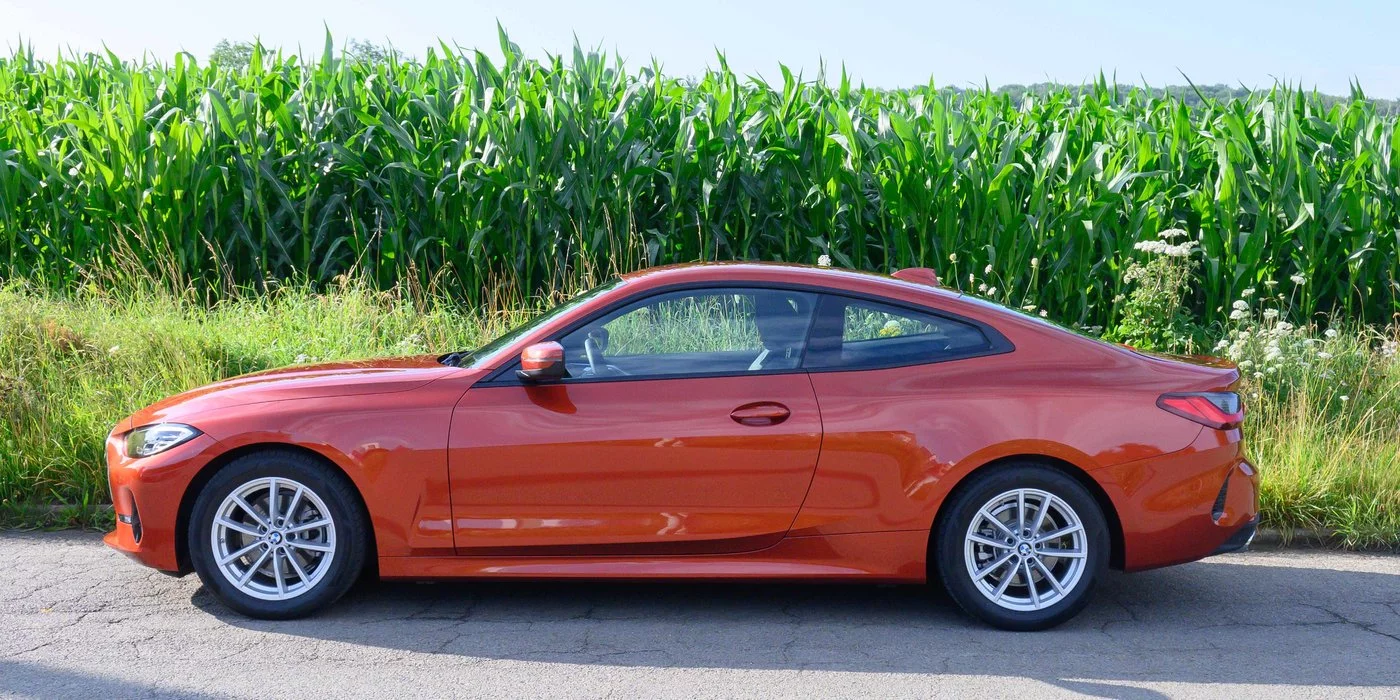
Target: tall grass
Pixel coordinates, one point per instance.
(1323, 424)
(526, 174)
(70, 367)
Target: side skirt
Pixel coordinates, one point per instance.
(878, 557)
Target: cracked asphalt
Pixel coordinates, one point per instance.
(77, 620)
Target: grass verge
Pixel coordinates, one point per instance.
(1324, 409)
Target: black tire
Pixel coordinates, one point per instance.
(345, 511)
(951, 539)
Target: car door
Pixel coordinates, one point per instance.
(686, 426)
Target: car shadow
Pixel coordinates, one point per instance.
(22, 679)
(1238, 619)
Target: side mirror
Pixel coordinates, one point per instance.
(542, 362)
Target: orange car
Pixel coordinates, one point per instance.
(720, 421)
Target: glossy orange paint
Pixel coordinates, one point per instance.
(644, 467)
(824, 474)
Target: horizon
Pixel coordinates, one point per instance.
(825, 69)
(1252, 45)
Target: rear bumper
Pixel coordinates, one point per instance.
(1241, 539)
(1185, 505)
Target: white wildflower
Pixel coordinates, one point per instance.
(1389, 348)
(1298, 279)
(1330, 333)
(303, 357)
(1240, 305)
(1246, 293)
(1035, 263)
(952, 257)
(824, 261)
(1270, 283)
(982, 288)
(1044, 313)
(1270, 314)
(1179, 250)
(1237, 315)
(991, 291)
(1325, 355)
(1172, 233)
(988, 270)
(113, 350)
(1345, 398)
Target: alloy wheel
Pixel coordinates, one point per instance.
(1025, 549)
(273, 538)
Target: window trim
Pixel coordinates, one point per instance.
(505, 374)
(830, 319)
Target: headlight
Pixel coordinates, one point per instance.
(154, 439)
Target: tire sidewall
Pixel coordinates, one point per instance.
(965, 503)
(344, 512)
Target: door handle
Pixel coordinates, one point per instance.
(760, 413)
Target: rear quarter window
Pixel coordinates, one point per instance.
(854, 333)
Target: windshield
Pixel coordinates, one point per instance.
(488, 352)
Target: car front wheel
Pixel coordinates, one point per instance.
(277, 535)
(1022, 546)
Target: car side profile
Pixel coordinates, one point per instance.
(716, 421)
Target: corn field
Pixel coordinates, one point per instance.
(530, 175)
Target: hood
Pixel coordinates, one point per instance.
(357, 378)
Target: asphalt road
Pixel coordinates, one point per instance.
(77, 620)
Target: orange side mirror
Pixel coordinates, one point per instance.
(542, 362)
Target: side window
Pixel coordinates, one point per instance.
(856, 333)
(703, 331)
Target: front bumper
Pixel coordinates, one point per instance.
(147, 494)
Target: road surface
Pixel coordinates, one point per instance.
(77, 620)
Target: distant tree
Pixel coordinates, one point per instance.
(229, 54)
(369, 52)
(237, 54)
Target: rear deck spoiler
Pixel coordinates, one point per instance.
(918, 275)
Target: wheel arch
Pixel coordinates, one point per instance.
(1074, 471)
(207, 472)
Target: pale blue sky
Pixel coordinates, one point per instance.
(889, 44)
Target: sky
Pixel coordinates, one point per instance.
(895, 43)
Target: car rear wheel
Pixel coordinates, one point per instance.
(1022, 546)
(277, 535)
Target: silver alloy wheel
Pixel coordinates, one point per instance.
(273, 538)
(1026, 549)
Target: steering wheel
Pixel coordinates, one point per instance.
(597, 365)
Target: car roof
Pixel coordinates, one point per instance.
(785, 273)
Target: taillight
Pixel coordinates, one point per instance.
(1214, 409)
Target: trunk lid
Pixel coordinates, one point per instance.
(1197, 372)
